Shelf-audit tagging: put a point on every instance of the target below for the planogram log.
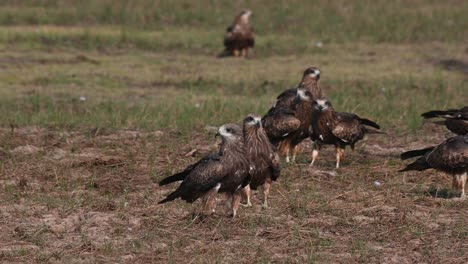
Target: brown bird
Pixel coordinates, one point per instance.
(337, 128)
(451, 157)
(224, 172)
(264, 161)
(286, 105)
(239, 36)
(456, 120)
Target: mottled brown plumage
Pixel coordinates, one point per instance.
(264, 161)
(451, 157)
(340, 129)
(456, 120)
(239, 36)
(287, 105)
(224, 172)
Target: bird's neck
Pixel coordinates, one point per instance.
(313, 86)
(232, 147)
(254, 136)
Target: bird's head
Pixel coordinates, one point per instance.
(244, 16)
(304, 95)
(322, 104)
(246, 13)
(252, 121)
(230, 132)
(311, 73)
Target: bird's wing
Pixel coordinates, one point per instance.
(280, 123)
(200, 180)
(457, 126)
(275, 165)
(347, 127)
(461, 113)
(451, 154)
(183, 174)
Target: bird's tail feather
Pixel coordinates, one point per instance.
(174, 195)
(368, 122)
(418, 165)
(415, 153)
(434, 113)
(176, 177)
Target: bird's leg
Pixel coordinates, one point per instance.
(244, 53)
(235, 203)
(287, 155)
(315, 153)
(246, 193)
(228, 203)
(236, 53)
(209, 200)
(339, 155)
(464, 179)
(266, 192)
(294, 153)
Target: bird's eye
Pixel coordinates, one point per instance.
(250, 118)
(229, 130)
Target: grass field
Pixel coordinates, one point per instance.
(99, 100)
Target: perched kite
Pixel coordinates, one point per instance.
(456, 120)
(293, 109)
(337, 128)
(239, 36)
(451, 157)
(264, 161)
(224, 172)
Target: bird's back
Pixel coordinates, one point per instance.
(451, 156)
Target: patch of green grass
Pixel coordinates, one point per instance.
(335, 21)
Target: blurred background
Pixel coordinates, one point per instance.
(152, 64)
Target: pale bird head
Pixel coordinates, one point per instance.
(229, 131)
(252, 120)
(322, 104)
(304, 95)
(246, 13)
(312, 72)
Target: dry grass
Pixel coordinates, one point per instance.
(98, 104)
(87, 196)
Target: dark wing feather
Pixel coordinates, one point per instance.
(415, 153)
(451, 156)
(275, 165)
(279, 123)
(181, 175)
(418, 165)
(459, 127)
(450, 113)
(200, 180)
(347, 128)
(368, 122)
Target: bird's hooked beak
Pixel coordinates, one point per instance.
(258, 122)
(217, 134)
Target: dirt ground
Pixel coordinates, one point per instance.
(91, 197)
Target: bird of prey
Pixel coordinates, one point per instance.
(279, 121)
(264, 161)
(337, 128)
(451, 157)
(456, 120)
(224, 172)
(239, 36)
